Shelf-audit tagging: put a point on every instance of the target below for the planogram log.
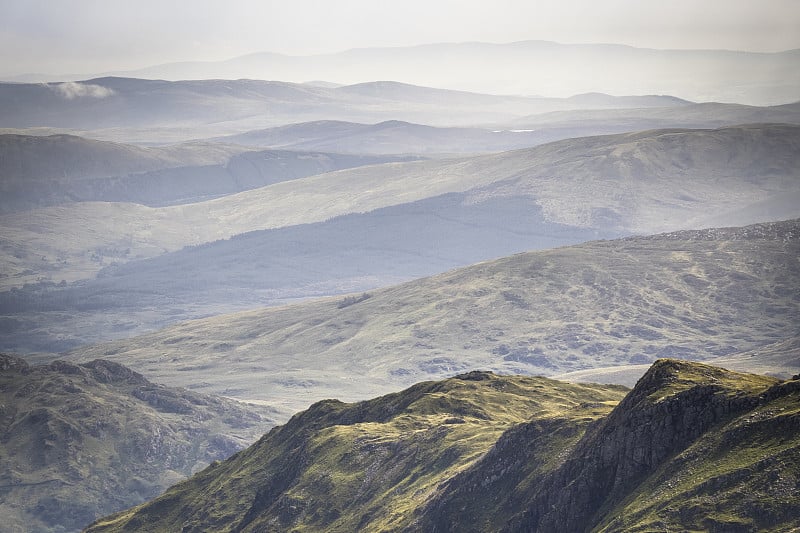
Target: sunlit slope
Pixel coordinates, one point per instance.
(367, 466)
(642, 182)
(693, 294)
(691, 448)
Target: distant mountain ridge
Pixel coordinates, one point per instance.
(212, 107)
(403, 137)
(388, 137)
(526, 68)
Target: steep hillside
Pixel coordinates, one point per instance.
(692, 447)
(367, 466)
(59, 169)
(81, 441)
(643, 183)
(692, 294)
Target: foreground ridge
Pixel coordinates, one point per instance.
(692, 446)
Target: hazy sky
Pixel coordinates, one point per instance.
(92, 36)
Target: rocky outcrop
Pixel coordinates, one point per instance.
(573, 475)
(634, 440)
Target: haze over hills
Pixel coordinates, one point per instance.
(355, 252)
(37, 171)
(634, 183)
(566, 124)
(402, 137)
(127, 109)
(391, 137)
(461, 222)
(480, 452)
(373, 226)
(525, 68)
(80, 441)
(694, 294)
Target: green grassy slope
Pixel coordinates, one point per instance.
(696, 295)
(365, 466)
(78, 442)
(692, 447)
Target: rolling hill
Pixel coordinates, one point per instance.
(38, 171)
(642, 182)
(355, 252)
(694, 294)
(547, 127)
(80, 441)
(362, 228)
(480, 452)
(389, 137)
(147, 110)
(402, 137)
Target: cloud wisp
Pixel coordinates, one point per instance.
(71, 90)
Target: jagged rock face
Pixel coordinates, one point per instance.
(625, 447)
(628, 472)
(80, 441)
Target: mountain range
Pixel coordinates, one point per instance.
(525, 67)
(372, 226)
(126, 109)
(478, 247)
(691, 447)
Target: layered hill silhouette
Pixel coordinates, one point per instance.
(693, 294)
(80, 441)
(558, 125)
(157, 110)
(630, 183)
(388, 137)
(402, 137)
(526, 67)
(39, 171)
(480, 452)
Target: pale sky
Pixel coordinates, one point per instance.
(94, 36)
